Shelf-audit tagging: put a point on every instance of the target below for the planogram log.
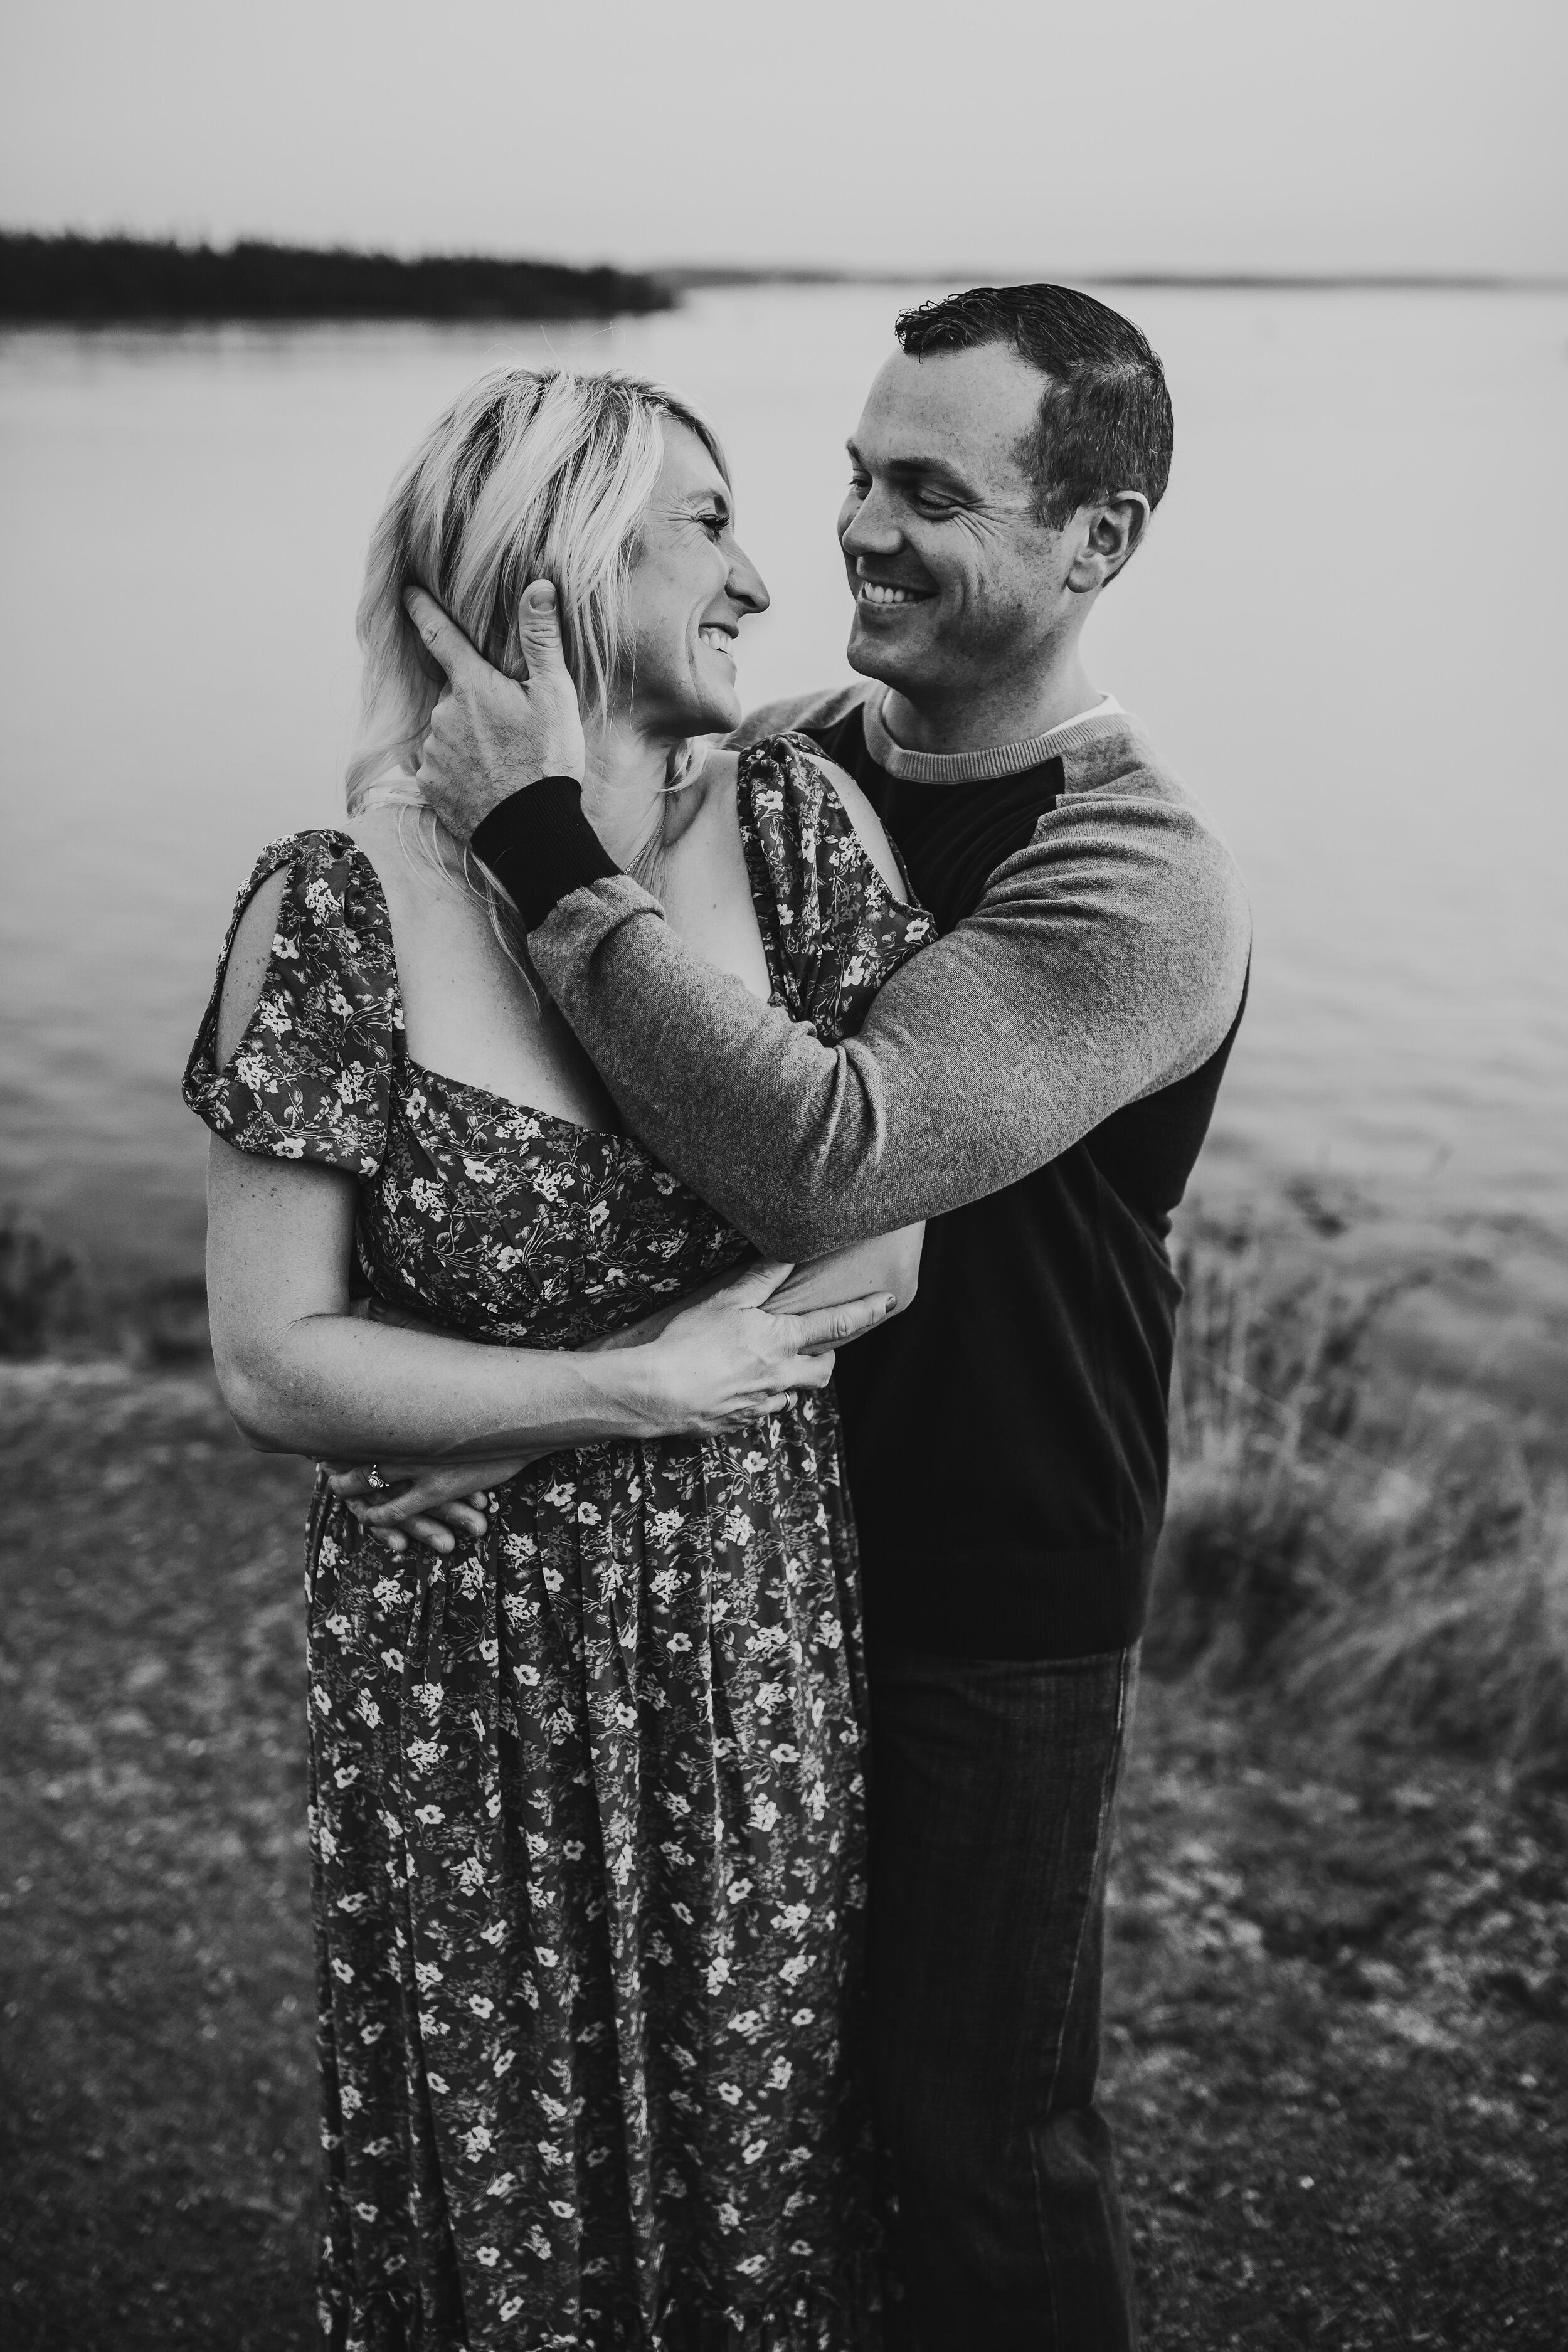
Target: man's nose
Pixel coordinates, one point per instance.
(871, 528)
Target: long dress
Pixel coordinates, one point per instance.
(587, 1796)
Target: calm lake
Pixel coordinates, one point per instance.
(1343, 632)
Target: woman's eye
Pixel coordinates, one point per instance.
(717, 523)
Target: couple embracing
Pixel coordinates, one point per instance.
(703, 1188)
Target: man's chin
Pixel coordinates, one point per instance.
(878, 652)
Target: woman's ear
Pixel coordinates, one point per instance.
(1113, 533)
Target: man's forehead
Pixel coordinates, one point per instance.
(968, 410)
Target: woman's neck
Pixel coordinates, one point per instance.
(626, 797)
(623, 795)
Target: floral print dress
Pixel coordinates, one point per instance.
(587, 1802)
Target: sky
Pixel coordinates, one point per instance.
(979, 136)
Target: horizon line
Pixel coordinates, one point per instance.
(696, 274)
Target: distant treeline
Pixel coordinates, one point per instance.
(93, 280)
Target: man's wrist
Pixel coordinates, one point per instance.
(538, 846)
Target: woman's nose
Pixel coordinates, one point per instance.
(746, 585)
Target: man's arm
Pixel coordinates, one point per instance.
(1105, 960)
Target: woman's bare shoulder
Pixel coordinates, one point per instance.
(870, 829)
(247, 961)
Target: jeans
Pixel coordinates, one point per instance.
(993, 1787)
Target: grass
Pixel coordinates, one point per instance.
(1338, 1936)
(1376, 1557)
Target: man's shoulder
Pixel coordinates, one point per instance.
(1116, 765)
(811, 712)
(1157, 848)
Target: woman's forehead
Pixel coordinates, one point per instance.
(688, 468)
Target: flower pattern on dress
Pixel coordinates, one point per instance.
(587, 1797)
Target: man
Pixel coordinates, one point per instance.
(1037, 1085)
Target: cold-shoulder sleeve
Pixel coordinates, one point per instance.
(311, 1079)
(832, 928)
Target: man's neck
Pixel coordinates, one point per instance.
(1009, 710)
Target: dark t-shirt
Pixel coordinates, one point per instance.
(1007, 1435)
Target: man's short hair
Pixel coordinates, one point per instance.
(1105, 422)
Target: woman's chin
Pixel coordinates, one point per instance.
(718, 713)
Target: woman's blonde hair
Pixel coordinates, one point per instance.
(530, 474)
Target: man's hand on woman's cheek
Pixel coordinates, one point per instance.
(490, 736)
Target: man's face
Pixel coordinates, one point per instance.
(953, 575)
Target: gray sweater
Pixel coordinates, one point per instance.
(1035, 1085)
(1105, 960)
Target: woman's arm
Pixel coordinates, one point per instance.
(301, 1374)
(430, 1497)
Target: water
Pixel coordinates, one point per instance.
(1344, 633)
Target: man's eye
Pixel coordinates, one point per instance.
(860, 484)
(717, 523)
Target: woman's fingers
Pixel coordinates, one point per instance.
(349, 1480)
(754, 1284)
(416, 1529)
(835, 1326)
(468, 1519)
(432, 1535)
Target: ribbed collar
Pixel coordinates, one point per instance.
(997, 761)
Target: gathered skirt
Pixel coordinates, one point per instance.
(588, 1829)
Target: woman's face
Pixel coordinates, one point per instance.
(690, 588)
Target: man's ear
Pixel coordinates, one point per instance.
(1112, 534)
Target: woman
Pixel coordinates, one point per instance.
(586, 1785)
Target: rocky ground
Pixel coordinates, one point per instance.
(1336, 2013)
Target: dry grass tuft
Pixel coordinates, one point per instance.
(1388, 1559)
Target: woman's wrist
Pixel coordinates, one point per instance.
(627, 1392)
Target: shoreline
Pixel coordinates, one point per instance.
(85, 281)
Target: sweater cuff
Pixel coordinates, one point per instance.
(538, 846)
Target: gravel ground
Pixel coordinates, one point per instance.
(1336, 2007)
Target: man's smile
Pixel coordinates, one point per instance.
(882, 594)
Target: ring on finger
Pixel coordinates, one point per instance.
(375, 1478)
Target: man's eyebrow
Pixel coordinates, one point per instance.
(920, 469)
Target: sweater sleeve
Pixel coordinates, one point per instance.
(1105, 960)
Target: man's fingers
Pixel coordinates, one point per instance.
(833, 1327)
(438, 633)
(539, 630)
